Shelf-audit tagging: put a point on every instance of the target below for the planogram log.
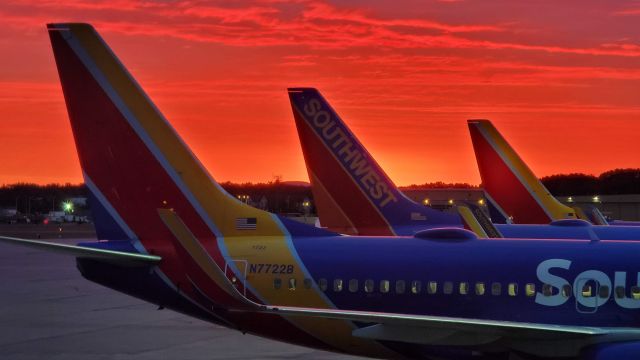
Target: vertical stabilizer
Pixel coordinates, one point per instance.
(353, 194)
(508, 181)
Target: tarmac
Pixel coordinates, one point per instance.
(48, 311)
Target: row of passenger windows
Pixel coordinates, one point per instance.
(463, 288)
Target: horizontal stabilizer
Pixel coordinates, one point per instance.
(86, 252)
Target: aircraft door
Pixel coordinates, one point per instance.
(587, 292)
(236, 272)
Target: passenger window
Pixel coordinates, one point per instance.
(513, 289)
(496, 289)
(433, 287)
(547, 290)
(620, 292)
(384, 286)
(480, 289)
(322, 284)
(368, 286)
(337, 285)
(566, 290)
(353, 285)
(307, 283)
(530, 289)
(277, 283)
(292, 284)
(416, 287)
(586, 291)
(464, 288)
(448, 287)
(635, 292)
(400, 287)
(603, 292)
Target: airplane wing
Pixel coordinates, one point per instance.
(533, 338)
(120, 257)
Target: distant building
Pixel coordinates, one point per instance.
(445, 198)
(618, 207)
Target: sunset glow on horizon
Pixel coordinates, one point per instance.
(560, 80)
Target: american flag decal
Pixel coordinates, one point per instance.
(246, 223)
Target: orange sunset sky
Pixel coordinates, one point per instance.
(560, 79)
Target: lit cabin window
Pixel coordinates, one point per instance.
(448, 287)
(513, 289)
(292, 284)
(322, 284)
(480, 288)
(566, 290)
(433, 287)
(530, 289)
(620, 292)
(547, 290)
(635, 292)
(368, 286)
(416, 287)
(400, 287)
(496, 289)
(384, 286)
(353, 285)
(307, 283)
(603, 292)
(464, 288)
(337, 285)
(277, 283)
(586, 291)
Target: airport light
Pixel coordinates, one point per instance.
(596, 199)
(67, 206)
(426, 202)
(570, 199)
(450, 201)
(481, 202)
(306, 204)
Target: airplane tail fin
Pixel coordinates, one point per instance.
(509, 182)
(133, 161)
(353, 194)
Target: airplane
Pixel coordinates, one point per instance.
(177, 239)
(513, 191)
(353, 194)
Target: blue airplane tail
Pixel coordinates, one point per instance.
(353, 194)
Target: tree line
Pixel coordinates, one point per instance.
(292, 197)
